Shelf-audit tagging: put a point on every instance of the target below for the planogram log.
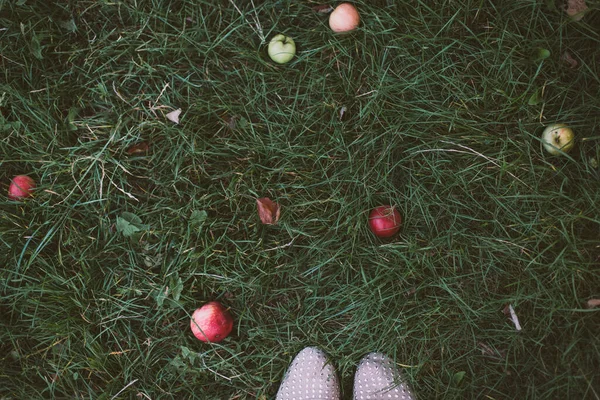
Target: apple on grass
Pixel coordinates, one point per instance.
(344, 18)
(558, 139)
(384, 221)
(21, 187)
(211, 322)
(281, 48)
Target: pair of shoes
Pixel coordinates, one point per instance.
(311, 377)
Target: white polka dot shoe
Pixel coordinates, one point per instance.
(378, 378)
(310, 377)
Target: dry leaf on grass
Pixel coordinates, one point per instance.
(569, 60)
(138, 148)
(174, 115)
(576, 9)
(268, 211)
(591, 303)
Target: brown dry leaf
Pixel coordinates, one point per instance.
(324, 8)
(576, 9)
(268, 211)
(591, 303)
(569, 60)
(138, 148)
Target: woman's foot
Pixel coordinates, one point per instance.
(310, 377)
(378, 378)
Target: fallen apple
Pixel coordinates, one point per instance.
(344, 18)
(21, 187)
(558, 139)
(281, 48)
(211, 322)
(384, 221)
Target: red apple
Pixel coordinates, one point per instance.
(20, 187)
(211, 322)
(344, 18)
(384, 221)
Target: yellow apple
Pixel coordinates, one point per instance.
(558, 139)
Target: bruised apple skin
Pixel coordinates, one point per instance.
(21, 187)
(211, 322)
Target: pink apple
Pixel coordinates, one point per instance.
(384, 221)
(21, 187)
(211, 322)
(344, 18)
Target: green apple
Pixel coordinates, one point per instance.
(558, 139)
(281, 49)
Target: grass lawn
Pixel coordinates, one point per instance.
(436, 107)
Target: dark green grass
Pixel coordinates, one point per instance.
(437, 122)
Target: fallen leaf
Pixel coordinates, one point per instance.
(71, 116)
(569, 60)
(591, 303)
(243, 123)
(138, 148)
(541, 54)
(176, 287)
(536, 98)
(323, 8)
(36, 47)
(69, 25)
(129, 224)
(174, 115)
(576, 9)
(458, 377)
(197, 219)
(268, 211)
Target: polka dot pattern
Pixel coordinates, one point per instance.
(378, 378)
(310, 377)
